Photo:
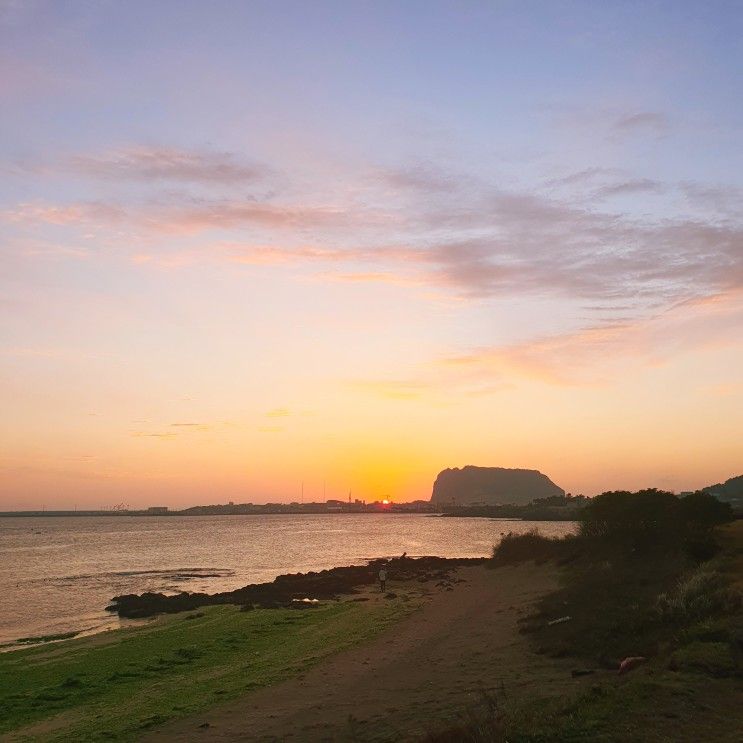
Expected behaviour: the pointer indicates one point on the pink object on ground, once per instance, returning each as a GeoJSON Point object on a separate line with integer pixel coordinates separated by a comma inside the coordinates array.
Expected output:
{"type": "Point", "coordinates": [629, 663]}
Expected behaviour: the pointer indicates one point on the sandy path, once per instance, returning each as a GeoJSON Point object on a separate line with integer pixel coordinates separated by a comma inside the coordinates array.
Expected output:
{"type": "Point", "coordinates": [401, 684]}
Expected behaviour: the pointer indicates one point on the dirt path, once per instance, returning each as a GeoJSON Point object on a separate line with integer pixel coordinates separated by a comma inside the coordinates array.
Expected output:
{"type": "Point", "coordinates": [401, 684]}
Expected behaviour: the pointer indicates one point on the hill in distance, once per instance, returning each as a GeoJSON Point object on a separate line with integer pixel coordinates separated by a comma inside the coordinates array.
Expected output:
{"type": "Point", "coordinates": [493, 486]}
{"type": "Point", "coordinates": [730, 491]}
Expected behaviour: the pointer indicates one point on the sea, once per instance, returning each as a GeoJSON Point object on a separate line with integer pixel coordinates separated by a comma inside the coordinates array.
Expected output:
{"type": "Point", "coordinates": [58, 574]}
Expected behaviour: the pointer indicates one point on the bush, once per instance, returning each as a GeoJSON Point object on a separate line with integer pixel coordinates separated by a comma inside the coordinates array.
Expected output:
{"type": "Point", "coordinates": [703, 511]}
{"type": "Point", "coordinates": [701, 547]}
{"type": "Point", "coordinates": [655, 520]}
{"type": "Point", "coordinates": [697, 596]}
{"type": "Point", "coordinates": [516, 548]}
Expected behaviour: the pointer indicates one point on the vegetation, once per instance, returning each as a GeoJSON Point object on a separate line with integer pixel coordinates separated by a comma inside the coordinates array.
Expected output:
{"type": "Point", "coordinates": [652, 575]}
{"type": "Point", "coordinates": [730, 491]}
{"type": "Point", "coordinates": [653, 521]}
{"type": "Point", "coordinates": [552, 508]}
{"type": "Point", "coordinates": [648, 574]}
{"type": "Point", "coordinates": [118, 684]}
{"type": "Point", "coordinates": [482, 723]}
{"type": "Point", "coordinates": [516, 548]}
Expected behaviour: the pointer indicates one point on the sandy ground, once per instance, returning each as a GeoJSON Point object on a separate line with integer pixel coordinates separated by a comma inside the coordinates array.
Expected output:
{"type": "Point", "coordinates": [402, 684]}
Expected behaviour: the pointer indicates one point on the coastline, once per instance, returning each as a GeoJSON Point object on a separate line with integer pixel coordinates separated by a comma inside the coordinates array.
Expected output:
{"type": "Point", "coordinates": [167, 659]}
{"type": "Point", "coordinates": [295, 590]}
{"type": "Point", "coordinates": [366, 665]}
{"type": "Point", "coordinates": [58, 575]}
{"type": "Point", "coordinates": [288, 590]}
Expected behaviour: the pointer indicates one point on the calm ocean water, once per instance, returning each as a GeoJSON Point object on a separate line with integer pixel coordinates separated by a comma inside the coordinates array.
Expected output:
{"type": "Point", "coordinates": [58, 574]}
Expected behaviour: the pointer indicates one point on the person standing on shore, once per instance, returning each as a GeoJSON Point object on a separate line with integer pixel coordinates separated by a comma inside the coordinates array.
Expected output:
{"type": "Point", "coordinates": [382, 578]}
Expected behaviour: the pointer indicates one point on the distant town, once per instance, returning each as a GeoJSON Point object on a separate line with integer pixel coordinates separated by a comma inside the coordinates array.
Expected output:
{"type": "Point", "coordinates": [489, 492]}
{"type": "Point", "coordinates": [231, 508]}
{"type": "Point", "coordinates": [556, 508]}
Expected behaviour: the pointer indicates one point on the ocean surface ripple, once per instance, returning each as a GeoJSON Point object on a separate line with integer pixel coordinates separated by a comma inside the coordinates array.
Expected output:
{"type": "Point", "coordinates": [57, 574]}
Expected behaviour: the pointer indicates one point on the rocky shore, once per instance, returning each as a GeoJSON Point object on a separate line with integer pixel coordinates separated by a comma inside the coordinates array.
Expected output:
{"type": "Point", "coordinates": [288, 591]}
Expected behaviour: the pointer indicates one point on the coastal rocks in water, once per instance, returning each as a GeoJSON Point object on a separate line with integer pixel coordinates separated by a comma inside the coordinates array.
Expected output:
{"type": "Point", "coordinates": [288, 591]}
{"type": "Point", "coordinates": [491, 486]}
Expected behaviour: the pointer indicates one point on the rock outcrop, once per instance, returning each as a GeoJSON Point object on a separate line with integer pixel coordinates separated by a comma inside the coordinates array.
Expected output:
{"type": "Point", "coordinates": [291, 591]}
{"type": "Point", "coordinates": [491, 486]}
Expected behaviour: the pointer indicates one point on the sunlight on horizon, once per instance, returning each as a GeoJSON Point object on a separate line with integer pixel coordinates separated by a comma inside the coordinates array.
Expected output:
{"type": "Point", "coordinates": [349, 247]}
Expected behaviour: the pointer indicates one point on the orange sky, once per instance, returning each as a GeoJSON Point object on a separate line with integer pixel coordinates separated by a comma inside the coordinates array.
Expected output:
{"type": "Point", "coordinates": [490, 238]}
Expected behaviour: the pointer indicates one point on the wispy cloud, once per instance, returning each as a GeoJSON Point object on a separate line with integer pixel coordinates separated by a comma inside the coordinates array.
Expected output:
{"type": "Point", "coordinates": [597, 354]}
{"type": "Point", "coordinates": [722, 199]}
{"type": "Point", "coordinates": [420, 177]}
{"type": "Point", "coordinates": [166, 164]}
{"type": "Point", "coordinates": [398, 389]}
{"type": "Point", "coordinates": [183, 216]}
{"type": "Point", "coordinates": [32, 352]}
{"type": "Point", "coordinates": [586, 175]}
{"type": "Point", "coordinates": [589, 357]}
{"type": "Point", "coordinates": [475, 242]}
{"type": "Point", "coordinates": [64, 214]}
{"type": "Point", "coordinates": [654, 122]}
{"type": "Point", "coordinates": [611, 123]}
{"type": "Point", "coordinates": [633, 186]}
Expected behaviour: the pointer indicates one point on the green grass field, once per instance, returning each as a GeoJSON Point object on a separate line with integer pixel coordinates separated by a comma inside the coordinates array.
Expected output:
{"type": "Point", "coordinates": [115, 685]}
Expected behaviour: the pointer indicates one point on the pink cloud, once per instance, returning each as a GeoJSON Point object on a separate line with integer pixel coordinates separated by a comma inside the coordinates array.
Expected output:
{"type": "Point", "coordinates": [595, 355]}
{"type": "Point", "coordinates": [167, 164]}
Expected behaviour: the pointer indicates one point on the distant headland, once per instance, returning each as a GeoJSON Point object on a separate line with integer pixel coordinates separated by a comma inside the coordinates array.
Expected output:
{"type": "Point", "coordinates": [496, 492]}
{"type": "Point", "coordinates": [492, 486]}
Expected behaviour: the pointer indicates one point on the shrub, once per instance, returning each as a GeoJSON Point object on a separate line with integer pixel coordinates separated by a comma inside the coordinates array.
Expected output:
{"type": "Point", "coordinates": [482, 724]}
{"type": "Point", "coordinates": [655, 520]}
{"type": "Point", "coordinates": [703, 511]}
{"type": "Point", "coordinates": [516, 548]}
{"type": "Point", "coordinates": [701, 547]}
{"type": "Point", "coordinates": [697, 596]}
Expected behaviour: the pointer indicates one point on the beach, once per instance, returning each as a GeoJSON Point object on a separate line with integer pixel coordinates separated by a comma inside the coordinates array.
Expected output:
{"type": "Point", "coordinates": [531, 642]}
{"type": "Point", "coordinates": [227, 674]}
{"type": "Point", "coordinates": [461, 643]}
{"type": "Point", "coordinates": [57, 575]}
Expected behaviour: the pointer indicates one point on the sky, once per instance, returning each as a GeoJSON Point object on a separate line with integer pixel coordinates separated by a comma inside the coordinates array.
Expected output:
{"type": "Point", "coordinates": [250, 247]}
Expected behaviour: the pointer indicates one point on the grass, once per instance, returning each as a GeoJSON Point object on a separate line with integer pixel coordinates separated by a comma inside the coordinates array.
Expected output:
{"type": "Point", "coordinates": [651, 706]}
{"type": "Point", "coordinates": [684, 617]}
{"type": "Point", "coordinates": [612, 605]}
{"type": "Point", "coordinates": [698, 595]}
{"type": "Point", "coordinates": [482, 723]}
{"type": "Point", "coordinates": [116, 685]}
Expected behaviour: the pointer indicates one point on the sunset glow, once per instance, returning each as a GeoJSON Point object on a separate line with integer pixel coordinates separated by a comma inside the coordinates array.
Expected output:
{"type": "Point", "coordinates": [349, 253]}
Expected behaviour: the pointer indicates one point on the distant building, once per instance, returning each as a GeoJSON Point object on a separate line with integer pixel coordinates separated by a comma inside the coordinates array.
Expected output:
{"type": "Point", "coordinates": [157, 509]}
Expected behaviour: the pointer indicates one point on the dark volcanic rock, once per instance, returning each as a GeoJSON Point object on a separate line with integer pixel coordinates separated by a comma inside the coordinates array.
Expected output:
{"type": "Point", "coordinates": [286, 590]}
{"type": "Point", "coordinates": [491, 486]}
